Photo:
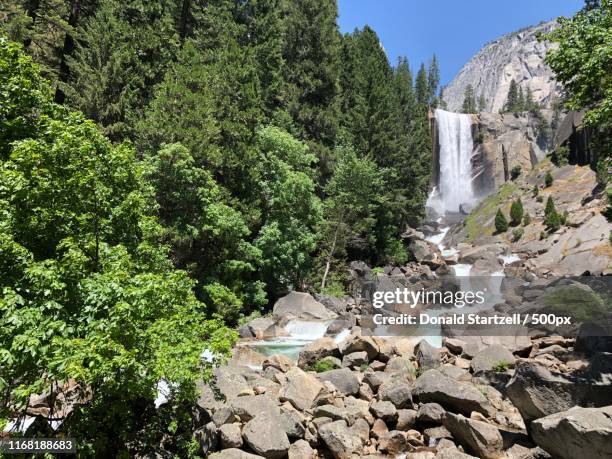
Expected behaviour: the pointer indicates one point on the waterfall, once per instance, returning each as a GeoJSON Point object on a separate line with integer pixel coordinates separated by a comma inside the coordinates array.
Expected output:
{"type": "Point", "coordinates": [454, 185]}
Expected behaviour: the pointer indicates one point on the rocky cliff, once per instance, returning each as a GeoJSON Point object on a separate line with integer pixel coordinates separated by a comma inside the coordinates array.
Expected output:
{"type": "Point", "coordinates": [518, 56]}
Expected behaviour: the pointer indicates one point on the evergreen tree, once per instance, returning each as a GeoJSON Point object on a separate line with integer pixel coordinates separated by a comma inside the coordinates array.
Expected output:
{"type": "Point", "coordinates": [442, 102]}
{"type": "Point", "coordinates": [433, 81]}
{"type": "Point", "coordinates": [312, 68]}
{"type": "Point", "coordinates": [550, 207]}
{"type": "Point", "coordinates": [422, 86]}
{"type": "Point", "coordinates": [548, 179]}
{"type": "Point", "coordinates": [512, 101]}
{"type": "Point", "coordinates": [516, 212]}
{"type": "Point", "coordinates": [481, 103]}
{"type": "Point", "coordinates": [501, 223]}
{"type": "Point", "coordinates": [469, 100]}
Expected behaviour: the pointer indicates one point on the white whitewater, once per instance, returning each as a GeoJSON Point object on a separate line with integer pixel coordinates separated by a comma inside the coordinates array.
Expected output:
{"type": "Point", "coordinates": [455, 157]}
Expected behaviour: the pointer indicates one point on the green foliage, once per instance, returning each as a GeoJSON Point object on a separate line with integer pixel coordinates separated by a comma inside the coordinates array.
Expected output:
{"type": "Point", "coordinates": [515, 172]}
{"type": "Point", "coordinates": [501, 223]}
{"type": "Point", "coordinates": [550, 207]}
{"type": "Point", "coordinates": [536, 190]}
{"type": "Point", "coordinates": [512, 101]}
{"type": "Point", "coordinates": [321, 366]}
{"type": "Point", "coordinates": [540, 198]}
{"type": "Point", "coordinates": [516, 212]}
{"type": "Point", "coordinates": [378, 270]}
{"type": "Point", "coordinates": [548, 179]}
{"type": "Point", "coordinates": [582, 63]}
{"type": "Point", "coordinates": [88, 293]}
{"type": "Point", "coordinates": [517, 233]}
{"type": "Point", "coordinates": [335, 289]}
{"type": "Point", "coordinates": [552, 219]}
{"type": "Point", "coordinates": [526, 219]}
{"type": "Point", "coordinates": [501, 366]}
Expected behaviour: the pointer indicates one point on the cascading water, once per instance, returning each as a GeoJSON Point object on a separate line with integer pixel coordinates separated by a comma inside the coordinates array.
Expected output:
{"type": "Point", "coordinates": [454, 185]}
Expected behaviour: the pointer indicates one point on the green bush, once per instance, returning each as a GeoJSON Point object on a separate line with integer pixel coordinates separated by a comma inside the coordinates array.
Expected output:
{"type": "Point", "coordinates": [543, 235]}
{"type": "Point", "coordinates": [515, 172]}
{"type": "Point", "coordinates": [550, 206]}
{"type": "Point", "coordinates": [548, 179]}
{"type": "Point", "coordinates": [321, 366]}
{"type": "Point", "coordinates": [536, 190]}
{"type": "Point", "coordinates": [501, 366]}
{"type": "Point", "coordinates": [540, 198]}
{"type": "Point", "coordinates": [516, 212]}
{"type": "Point", "coordinates": [501, 223]}
{"type": "Point", "coordinates": [517, 233]}
{"type": "Point", "coordinates": [553, 221]}
{"type": "Point", "coordinates": [527, 219]}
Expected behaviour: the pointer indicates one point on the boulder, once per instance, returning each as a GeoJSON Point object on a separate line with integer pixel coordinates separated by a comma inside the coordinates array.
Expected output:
{"type": "Point", "coordinates": [356, 343]}
{"type": "Point", "coordinates": [291, 422]}
{"type": "Point", "coordinates": [422, 251]}
{"type": "Point", "coordinates": [234, 453]}
{"type": "Point", "coordinates": [278, 361]}
{"type": "Point", "coordinates": [537, 392]}
{"type": "Point", "coordinates": [454, 345]}
{"type": "Point", "coordinates": [577, 432]}
{"type": "Point", "coordinates": [223, 415]}
{"type": "Point", "coordinates": [249, 406]}
{"type": "Point", "coordinates": [355, 359]}
{"type": "Point", "coordinates": [431, 412]}
{"type": "Point", "coordinates": [399, 394]}
{"type": "Point", "coordinates": [262, 327]}
{"type": "Point", "coordinates": [231, 381]}
{"type": "Point", "coordinates": [230, 436]}
{"type": "Point", "coordinates": [490, 357]}
{"type": "Point", "coordinates": [317, 350]}
{"type": "Point", "coordinates": [298, 305]}
{"type": "Point", "coordinates": [393, 442]}
{"type": "Point", "coordinates": [343, 379]}
{"type": "Point", "coordinates": [427, 355]}
{"type": "Point", "coordinates": [301, 450]}
{"type": "Point", "coordinates": [434, 386]}
{"type": "Point", "coordinates": [384, 410]}
{"type": "Point", "coordinates": [300, 389]}
{"type": "Point", "coordinates": [340, 440]}
{"type": "Point", "coordinates": [479, 437]}
{"type": "Point", "coordinates": [406, 419]}
{"type": "Point", "coordinates": [265, 435]}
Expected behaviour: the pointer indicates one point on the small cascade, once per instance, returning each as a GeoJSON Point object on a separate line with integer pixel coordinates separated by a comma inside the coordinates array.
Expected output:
{"type": "Point", "coordinates": [454, 186]}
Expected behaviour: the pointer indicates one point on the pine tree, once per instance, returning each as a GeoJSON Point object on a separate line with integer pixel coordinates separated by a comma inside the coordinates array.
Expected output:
{"type": "Point", "coordinates": [512, 101]}
{"type": "Point", "coordinates": [550, 207]}
{"type": "Point", "coordinates": [548, 179]}
{"type": "Point", "coordinates": [501, 224]}
{"type": "Point", "coordinates": [520, 104]}
{"type": "Point", "coordinates": [516, 212]}
{"type": "Point", "coordinates": [469, 100]}
{"type": "Point", "coordinates": [422, 86]}
{"type": "Point", "coordinates": [433, 81]}
{"type": "Point", "coordinates": [481, 103]}
{"type": "Point", "coordinates": [312, 68]}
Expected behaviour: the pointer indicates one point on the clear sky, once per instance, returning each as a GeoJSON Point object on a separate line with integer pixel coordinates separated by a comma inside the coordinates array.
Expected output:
{"type": "Point", "coordinates": [453, 29]}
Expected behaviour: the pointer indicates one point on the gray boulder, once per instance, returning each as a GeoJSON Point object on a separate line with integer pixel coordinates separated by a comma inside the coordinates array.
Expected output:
{"type": "Point", "coordinates": [427, 355]}
{"type": "Point", "coordinates": [265, 435]}
{"type": "Point", "coordinates": [431, 412]}
{"type": "Point", "coordinates": [490, 357]}
{"type": "Point", "coordinates": [577, 432]}
{"type": "Point", "coordinates": [317, 350]}
{"type": "Point", "coordinates": [537, 392]}
{"type": "Point", "coordinates": [399, 394]}
{"type": "Point", "coordinates": [355, 359]}
{"type": "Point", "coordinates": [300, 389]}
{"type": "Point", "coordinates": [249, 406]}
{"type": "Point", "coordinates": [340, 440]}
{"type": "Point", "coordinates": [479, 437]}
{"type": "Point", "coordinates": [356, 343]}
{"type": "Point", "coordinates": [301, 450]}
{"type": "Point", "coordinates": [298, 305]}
{"type": "Point", "coordinates": [434, 386]}
{"type": "Point", "coordinates": [230, 436]}
{"type": "Point", "coordinates": [233, 453]}
{"type": "Point", "coordinates": [343, 379]}
{"type": "Point", "coordinates": [384, 410]}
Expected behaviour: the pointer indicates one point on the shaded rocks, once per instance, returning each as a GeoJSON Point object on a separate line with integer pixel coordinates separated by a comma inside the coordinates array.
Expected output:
{"type": "Point", "coordinates": [434, 386]}
{"type": "Point", "coordinates": [355, 343]}
{"type": "Point", "coordinates": [577, 432]}
{"type": "Point", "coordinates": [481, 438]}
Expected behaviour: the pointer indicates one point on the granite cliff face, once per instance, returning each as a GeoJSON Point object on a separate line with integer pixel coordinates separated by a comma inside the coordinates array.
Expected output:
{"type": "Point", "coordinates": [518, 56]}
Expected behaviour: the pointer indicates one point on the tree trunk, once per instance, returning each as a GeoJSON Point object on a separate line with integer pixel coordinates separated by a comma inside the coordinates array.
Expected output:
{"type": "Point", "coordinates": [64, 72]}
{"type": "Point", "coordinates": [330, 257]}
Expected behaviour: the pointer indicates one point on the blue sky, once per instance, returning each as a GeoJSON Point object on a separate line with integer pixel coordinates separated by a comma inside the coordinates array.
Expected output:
{"type": "Point", "coordinates": [453, 29]}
